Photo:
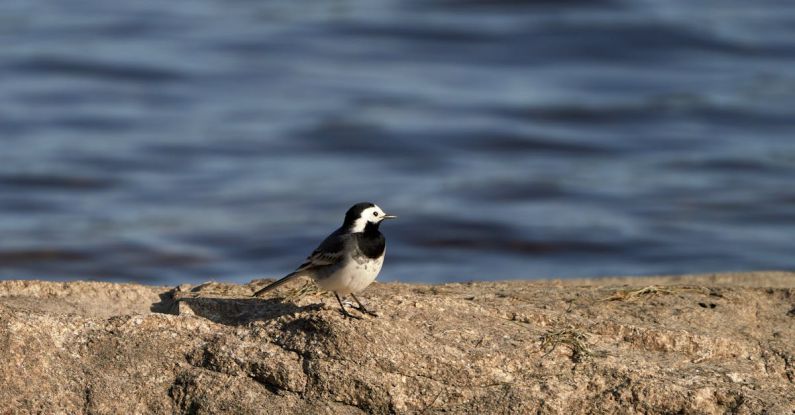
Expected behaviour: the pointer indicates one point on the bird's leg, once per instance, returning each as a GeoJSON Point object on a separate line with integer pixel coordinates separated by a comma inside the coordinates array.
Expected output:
{"type": "Point", "coordinates": [362, 308]}
{"type": "Point", "coordinates": [342, 307]}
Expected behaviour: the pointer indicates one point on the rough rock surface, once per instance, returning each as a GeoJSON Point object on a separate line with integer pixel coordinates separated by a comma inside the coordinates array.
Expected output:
{"type": "Point", "coordinates": [693, 344]}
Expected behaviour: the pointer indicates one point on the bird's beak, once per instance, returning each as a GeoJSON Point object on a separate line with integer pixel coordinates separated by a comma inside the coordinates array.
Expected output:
{"type": "Point", "coordinates": [390, 217]}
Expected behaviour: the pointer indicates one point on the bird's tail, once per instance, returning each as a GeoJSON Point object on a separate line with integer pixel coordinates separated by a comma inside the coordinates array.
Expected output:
{"type": "Point", "coordinates": [277, 283]}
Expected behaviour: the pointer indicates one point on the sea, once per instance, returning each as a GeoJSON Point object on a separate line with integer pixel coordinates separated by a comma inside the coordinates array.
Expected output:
{"type": "Point", "coordinates": [182, 141]}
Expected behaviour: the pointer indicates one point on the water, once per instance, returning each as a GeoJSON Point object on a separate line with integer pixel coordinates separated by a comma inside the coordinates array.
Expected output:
{"type": "Point", "coordinates": [182, 141]}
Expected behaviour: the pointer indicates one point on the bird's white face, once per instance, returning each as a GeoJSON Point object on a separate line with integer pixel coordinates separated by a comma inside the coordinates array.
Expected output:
{"type": "Point", "coordinates": [372, 215]}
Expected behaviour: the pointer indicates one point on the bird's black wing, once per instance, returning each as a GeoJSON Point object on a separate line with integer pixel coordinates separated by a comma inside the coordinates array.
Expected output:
{"type": "Point", "coordinates": [329, 252]}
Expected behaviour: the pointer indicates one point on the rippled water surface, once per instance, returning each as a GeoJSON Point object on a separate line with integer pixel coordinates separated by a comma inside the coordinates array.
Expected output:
{"type": "Point", "coordinates": [180, 141]}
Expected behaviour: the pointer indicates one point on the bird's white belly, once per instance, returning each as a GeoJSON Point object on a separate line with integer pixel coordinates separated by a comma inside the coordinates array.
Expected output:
{"type": "Point", "coordinates": [352, 276]}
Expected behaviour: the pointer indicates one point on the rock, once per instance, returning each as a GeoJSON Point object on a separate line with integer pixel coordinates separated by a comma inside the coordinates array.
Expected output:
{"type": "Point", "coordinates": [689, 344]}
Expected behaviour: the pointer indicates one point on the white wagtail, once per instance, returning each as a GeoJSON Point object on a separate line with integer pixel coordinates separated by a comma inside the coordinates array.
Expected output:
{"type": "Point", "coordinates": [349, 259]}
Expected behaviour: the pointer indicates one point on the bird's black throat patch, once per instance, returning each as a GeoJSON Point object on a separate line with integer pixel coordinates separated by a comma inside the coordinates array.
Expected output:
{"type": "Point", "coordinates": [371, 242]}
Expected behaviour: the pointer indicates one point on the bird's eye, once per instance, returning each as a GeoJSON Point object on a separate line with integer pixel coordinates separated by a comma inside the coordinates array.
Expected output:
{"type": "Point", "coordinates": [375, 213]}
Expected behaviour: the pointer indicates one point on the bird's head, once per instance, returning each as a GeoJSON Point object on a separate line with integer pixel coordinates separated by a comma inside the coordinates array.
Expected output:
{"type": "Point", "coordinates": [360, 214]}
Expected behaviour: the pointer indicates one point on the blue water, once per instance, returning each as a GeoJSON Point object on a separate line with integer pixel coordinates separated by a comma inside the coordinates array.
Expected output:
{"type": "Point", "coordinates": [181, 141]}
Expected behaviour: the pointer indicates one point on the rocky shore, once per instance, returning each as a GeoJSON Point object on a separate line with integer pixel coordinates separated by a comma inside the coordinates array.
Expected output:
{"type": "Point", "coordinates": [708, 344]}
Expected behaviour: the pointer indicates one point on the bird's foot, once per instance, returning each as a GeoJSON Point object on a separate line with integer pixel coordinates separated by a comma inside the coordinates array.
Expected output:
{"type": "Point", "coordinates": [346, 314]}
{"type": "Point", "coordinates": [362, 308]}
{"type": "Point", "coordinates": [366, 311]}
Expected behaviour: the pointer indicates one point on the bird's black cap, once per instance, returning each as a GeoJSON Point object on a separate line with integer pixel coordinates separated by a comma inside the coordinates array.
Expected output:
{"type": "Point", "coordinates": [356, 211]}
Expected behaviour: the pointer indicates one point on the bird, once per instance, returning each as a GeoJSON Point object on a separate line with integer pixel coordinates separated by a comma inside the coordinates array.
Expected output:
{"type": "Point", "coordinates": [349, 259]}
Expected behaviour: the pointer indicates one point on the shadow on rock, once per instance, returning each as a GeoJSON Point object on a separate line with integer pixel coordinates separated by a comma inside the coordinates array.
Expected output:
{"type": "Point", "coordinates": [225, 310]}
{"type": "Point", "coordinates": [167, 304]}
